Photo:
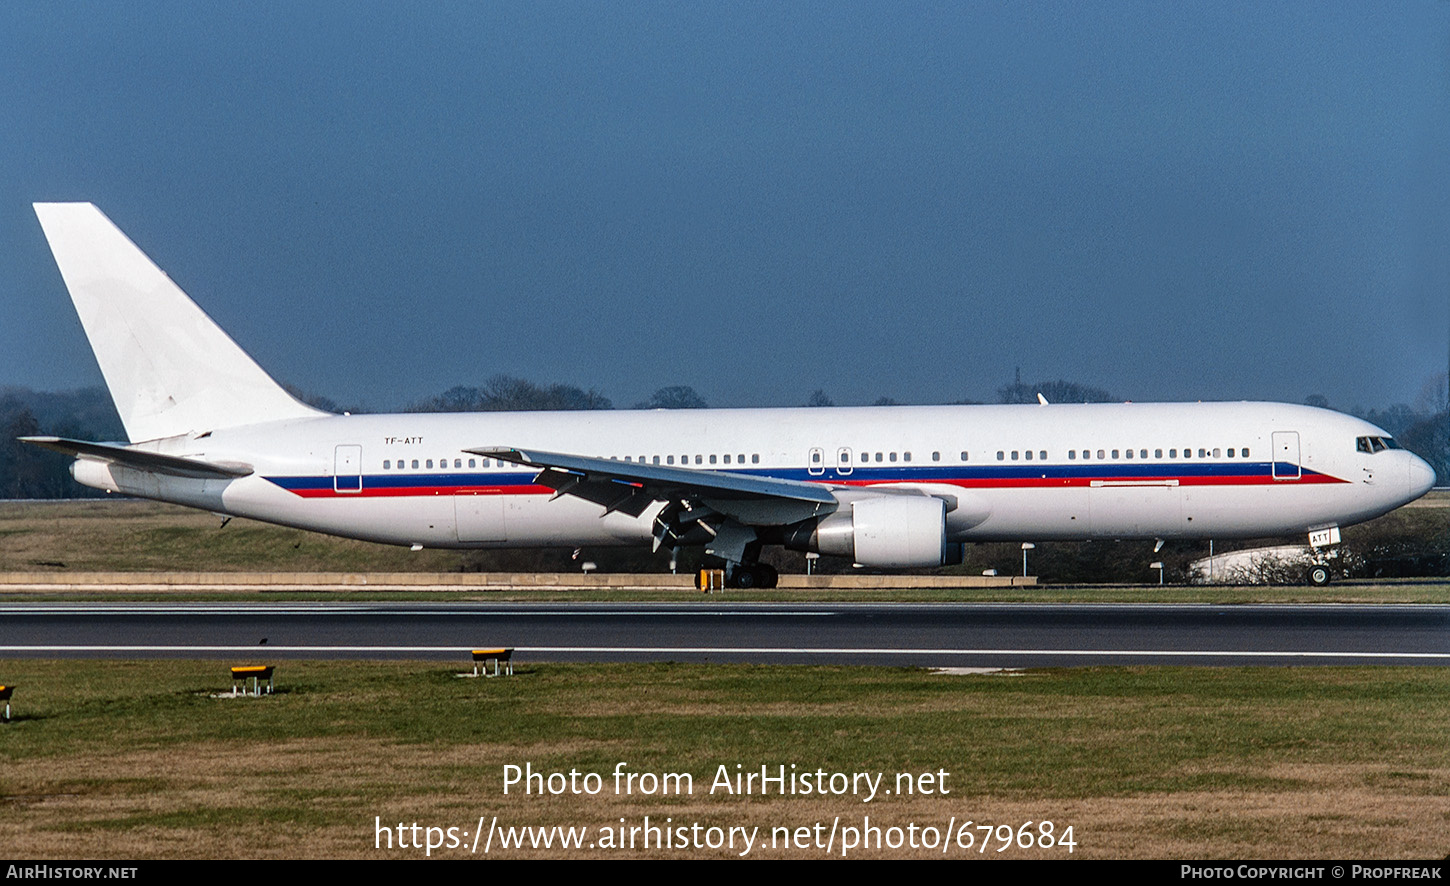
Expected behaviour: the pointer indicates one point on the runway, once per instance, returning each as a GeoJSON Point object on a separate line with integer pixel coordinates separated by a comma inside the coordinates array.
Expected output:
{"type": "Point", "coordinates": [938, 635]}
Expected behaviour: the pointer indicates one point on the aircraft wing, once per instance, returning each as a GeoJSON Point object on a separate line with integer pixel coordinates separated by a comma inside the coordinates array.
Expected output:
{"type": "Point", "coordinates": [155, 462]}
{"type": "Point", "coordinates": [631, 487]}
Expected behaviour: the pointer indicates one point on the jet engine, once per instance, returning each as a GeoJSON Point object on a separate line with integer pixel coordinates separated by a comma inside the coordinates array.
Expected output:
{"type": "Point", "coordinates": [892, 531]}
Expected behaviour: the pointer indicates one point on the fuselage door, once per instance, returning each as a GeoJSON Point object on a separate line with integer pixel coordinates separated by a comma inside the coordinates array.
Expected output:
{"type": "Point", "coordinates": [1286, 455]}
{"type": "Point", "coordinates": [347, 469]}
{"type": "Point", "coordinates": [816, 462]}
{"type": "Point", "coordinates": [843, 461]}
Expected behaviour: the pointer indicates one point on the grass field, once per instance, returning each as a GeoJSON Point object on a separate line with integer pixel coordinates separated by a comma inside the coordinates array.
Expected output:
{"type": "Point", "coordinates": [153, 760]}
{"type": "Point", "coordinates": [142, 759]}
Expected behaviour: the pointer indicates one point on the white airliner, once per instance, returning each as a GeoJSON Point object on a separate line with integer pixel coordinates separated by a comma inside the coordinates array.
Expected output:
{"type": "Point", "coordinates": [884, 486]}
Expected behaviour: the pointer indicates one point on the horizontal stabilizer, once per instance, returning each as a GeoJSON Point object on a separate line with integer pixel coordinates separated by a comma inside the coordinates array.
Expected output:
{"type": "Point", "coordinates": [155, 462]}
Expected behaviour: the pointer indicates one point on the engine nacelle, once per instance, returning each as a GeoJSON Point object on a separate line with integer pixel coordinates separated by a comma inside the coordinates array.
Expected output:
{"type": "Point", "coordinates": [95, 474]}
{"type": "Point", "coordinates": [894, 531]}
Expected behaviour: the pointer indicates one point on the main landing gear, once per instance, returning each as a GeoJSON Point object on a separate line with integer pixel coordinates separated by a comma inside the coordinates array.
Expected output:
{"type": "Point", "coordinates": [755, 575]}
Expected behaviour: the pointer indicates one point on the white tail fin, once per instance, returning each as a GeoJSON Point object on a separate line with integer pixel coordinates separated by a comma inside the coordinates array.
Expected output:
{"type": "Point", "coordinates": [170, 368]}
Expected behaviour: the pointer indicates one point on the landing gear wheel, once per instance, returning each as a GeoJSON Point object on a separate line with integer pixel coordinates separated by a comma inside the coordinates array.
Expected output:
{"type": "Point", "coordinates": [1319, 575]}
{"type": "Point", "coordinates": [757, 575]}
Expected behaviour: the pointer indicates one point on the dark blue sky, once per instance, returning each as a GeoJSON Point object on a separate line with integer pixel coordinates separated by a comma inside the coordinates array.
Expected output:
{"type": "Point", "coordinates": [379, 201]}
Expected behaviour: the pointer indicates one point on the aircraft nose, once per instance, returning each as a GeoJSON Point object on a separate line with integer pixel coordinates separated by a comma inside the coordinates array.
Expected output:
{"type": "Point", "coordinates": [1422, 477]}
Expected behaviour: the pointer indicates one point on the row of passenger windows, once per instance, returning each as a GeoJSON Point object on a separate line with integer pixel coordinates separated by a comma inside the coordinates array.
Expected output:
{"type": "Point", "coordinates": [1108, 454]}
{"type": "Point", "coordinates": [739, 459]}
{"type": "Point", "coordinates": [427, 463]}
{"type": "Point", "coordinates": [844, 457]}
{"type": "Point", "coordinates": [475, 463]}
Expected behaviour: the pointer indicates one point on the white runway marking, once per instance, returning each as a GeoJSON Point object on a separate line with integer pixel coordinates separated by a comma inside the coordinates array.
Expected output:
{"type": "Point", "coordinates": [750, 650]}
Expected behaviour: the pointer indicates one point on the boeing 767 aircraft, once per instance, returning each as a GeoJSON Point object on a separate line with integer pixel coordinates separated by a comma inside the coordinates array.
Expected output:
{"type": "Point", "coordinates": [888, 487]}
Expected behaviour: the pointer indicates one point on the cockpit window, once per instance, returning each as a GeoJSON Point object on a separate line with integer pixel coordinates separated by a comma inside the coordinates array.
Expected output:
{"type": "Point", "coordinates": [1375, 444]}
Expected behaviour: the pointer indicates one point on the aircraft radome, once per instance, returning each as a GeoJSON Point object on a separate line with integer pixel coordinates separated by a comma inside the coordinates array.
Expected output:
{"type": "Point", "coordinates": [892, 487]}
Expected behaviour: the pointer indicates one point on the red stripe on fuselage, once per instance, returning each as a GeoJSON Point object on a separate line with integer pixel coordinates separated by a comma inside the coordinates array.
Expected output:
{"type": "Point", "coordinates": [964, 483]}
{"type": "Point", "coordinates": [417, 491]}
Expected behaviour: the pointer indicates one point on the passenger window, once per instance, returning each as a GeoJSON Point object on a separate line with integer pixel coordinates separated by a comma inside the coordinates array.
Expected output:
{"type": "Point", "coordinates": [1129, 453]}
{"type": "Point", "coordinates": [906, 456]}
{"type": "Point", "coordinates": [815, 457]}
{"type": "Point", "coordinates": [1142, 453]}
{"type": "Point", "coordinates": [1115, 453]}
{"type": "Point", "coordinates": [1157, 453]}
{"type": "Point", "coordinates": [755, 458]}
{"type": "Point", "coordinates": [699, 459]}
{"type": "Point", "coordinates": [892, 458]}
{"type": "Point", "coordinates": [1001, 455]}
{"type": "Point", "coordinates": [1203, 453]}
{"type": "Point", "coordinates": [1173, 453]}
{"type": "Point", "coordinates": [1072, 455]}
{"type": "Point", "coordinates": [1014, 455]}
{"type": "Point", "coordinates": [727, 458]}
{"type": "Point", "coordinates": [473, 462]}
{"type": "Point", "coordinates": [1101, 456]}
{"type": "Point", "coordinates": [964, 455]}
{"type": "Point", "coordinates": [415, 464]}
{"type": "Point", "coordinates": [740, 458]}
{"type": "Point", "coordinates": [1245, 452]}
{"type": "Point", "coordinates": [1042, 456]}
{"type": "Point", "coordinates": [936, 456]}
{"type": "Point", "coordinates": [655, 459]}
{"type": "Point", "coordinates": [387, 464]}
{"type": "Point", "coordinates": [1216, 453]}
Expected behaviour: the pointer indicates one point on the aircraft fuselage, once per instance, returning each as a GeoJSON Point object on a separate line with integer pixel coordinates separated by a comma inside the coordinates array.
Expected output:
{"type": "Point", "coordinates": [1008, 473]}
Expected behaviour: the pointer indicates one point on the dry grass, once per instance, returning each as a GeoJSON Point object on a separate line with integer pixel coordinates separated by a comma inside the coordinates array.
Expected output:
{"type": "Point", "coordinates": [138, 760]}
{"type": "Point", "coordinates": [124, 535]}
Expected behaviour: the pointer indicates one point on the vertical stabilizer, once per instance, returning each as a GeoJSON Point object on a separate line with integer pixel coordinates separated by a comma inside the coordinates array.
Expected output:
{"type": "Point", "coordinates": [171, 370]}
